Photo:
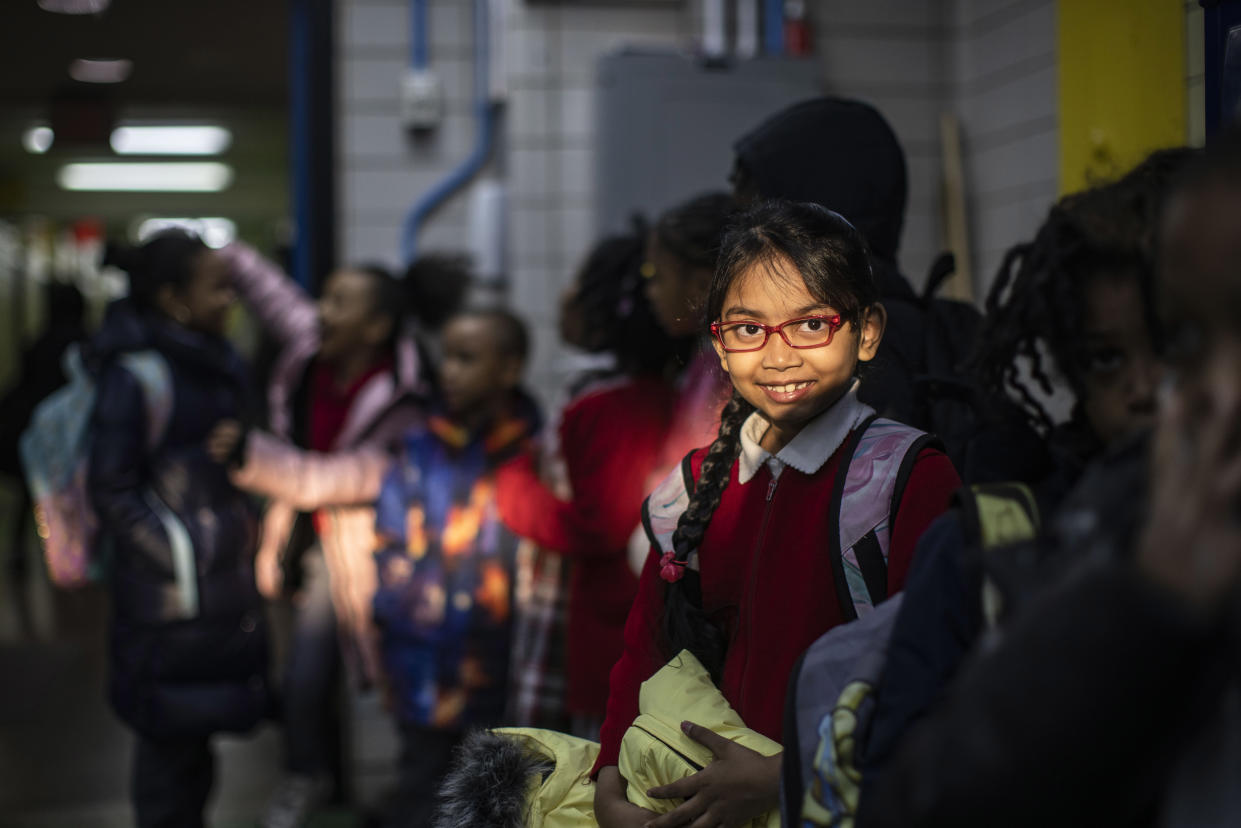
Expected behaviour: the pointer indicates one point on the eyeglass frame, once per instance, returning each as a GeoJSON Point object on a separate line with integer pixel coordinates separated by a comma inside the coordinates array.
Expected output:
{"type": "Point", "coordinates": [834, 323]}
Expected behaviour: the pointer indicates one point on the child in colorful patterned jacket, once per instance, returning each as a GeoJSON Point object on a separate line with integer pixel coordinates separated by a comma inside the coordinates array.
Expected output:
{"type": "Point", "coordinates": [446, 562]}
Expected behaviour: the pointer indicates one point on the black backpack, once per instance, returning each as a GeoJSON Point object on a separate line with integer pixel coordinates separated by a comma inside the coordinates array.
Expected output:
{"type": "Point", "coordinates": [921, 377]}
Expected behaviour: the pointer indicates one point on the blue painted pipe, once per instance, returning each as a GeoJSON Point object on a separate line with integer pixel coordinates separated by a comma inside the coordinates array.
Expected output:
{"type": "Point", "coordinates": [773, 27]}
{"type": "Point", "coordinates": [418, 53]}
{"type": "Point", "coordinates": [299, 150]}
{"type": "Point", "coordinates": [483, 137]}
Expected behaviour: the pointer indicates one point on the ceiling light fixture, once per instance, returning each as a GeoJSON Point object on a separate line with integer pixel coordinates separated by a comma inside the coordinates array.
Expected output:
{"type": "Point", "coordinates": [171, 140]}
{"type": "Point", "coordinates": [203, 177]}
{"type": "Point", "coordinates": [74, 6]}
{"type": "Point", "coordinates": [91, 70]}
{"type": "Point", "coordinates": [38, 139]}
{"type": "Point", "coordinates": [214, 231]}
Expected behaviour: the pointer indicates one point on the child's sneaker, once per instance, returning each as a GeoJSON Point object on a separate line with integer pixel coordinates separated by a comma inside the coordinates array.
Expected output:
{"type": "Point", "coordinates": [295, 799]}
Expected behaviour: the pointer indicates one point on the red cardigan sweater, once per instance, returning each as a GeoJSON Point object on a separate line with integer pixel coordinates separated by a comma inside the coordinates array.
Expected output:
{"type": "Point", "coordinates": [767, 580]}
{"type": "Point", "coordinates": [610, 439]}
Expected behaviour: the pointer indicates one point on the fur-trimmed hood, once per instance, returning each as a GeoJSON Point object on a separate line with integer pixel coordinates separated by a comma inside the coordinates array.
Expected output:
{"type": "Point", "coordinates": [518, 777]}
{"type": "Point", "coordinates": [529, 778]}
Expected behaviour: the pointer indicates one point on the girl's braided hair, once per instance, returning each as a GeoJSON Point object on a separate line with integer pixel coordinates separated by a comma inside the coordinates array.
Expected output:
{"type": "Point", "coordinates": [775, 239]}
{"type": "Point", "coordinates": [1036, 308]}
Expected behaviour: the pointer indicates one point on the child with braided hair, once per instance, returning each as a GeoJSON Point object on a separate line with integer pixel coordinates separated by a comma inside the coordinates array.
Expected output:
{"type": "Point", "coordinates": [750, 560]}
{"type": "Point", "coordinates": [1060, 302]}
{"type": "Point", "coordinates": [1075, 304]}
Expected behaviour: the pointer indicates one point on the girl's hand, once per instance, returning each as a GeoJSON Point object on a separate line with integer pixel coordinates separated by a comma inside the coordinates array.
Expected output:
{"type": "Point", "coordinates": [734, 789]}
{"type": "Point", "coordinates": [1191, 543]}
{"type": "Point", "coordinates": [612, 809]}
{"type": "Point", "coordinates": [223, 440]}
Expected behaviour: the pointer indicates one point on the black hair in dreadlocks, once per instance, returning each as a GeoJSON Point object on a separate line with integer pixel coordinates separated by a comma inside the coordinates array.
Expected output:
{"type": "Point", "coordinates": [831, 256]}
{"type": "Point", "coordinates": [1036, 308]}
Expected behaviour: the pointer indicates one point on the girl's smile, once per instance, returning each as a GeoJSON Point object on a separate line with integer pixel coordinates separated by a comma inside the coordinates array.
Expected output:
{"type": "Point", "coordinates": [787, 392]}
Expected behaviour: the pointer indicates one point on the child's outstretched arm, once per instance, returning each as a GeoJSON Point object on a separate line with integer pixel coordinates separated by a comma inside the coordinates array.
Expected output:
{"type": "Point", "coordinates": [282, 307]}
{"type": "Point", "coordinates": [608, 484]}
{"type": "Point", "coordinates": [309, 480]}
{"type": "Point", "coordinates": [739, 785]}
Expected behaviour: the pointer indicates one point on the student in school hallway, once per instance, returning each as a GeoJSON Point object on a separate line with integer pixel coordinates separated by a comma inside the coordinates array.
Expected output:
{"type": "Point", "coordinates": [446, 563]}
{"type": "Point", "coordinates": [739, 571]}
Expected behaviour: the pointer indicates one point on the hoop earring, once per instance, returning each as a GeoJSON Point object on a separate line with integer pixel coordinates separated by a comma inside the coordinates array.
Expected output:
{"type": "Point", "coordinates": [181, 314]}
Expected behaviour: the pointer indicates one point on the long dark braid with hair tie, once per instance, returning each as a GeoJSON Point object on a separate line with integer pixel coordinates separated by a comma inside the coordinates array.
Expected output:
{"type": "Point", "coordinates": [686, 626]}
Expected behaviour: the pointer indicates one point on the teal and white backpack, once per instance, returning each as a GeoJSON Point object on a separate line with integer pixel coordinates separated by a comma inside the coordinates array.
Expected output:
{"type": "Point", "coordinates": [55, 448]}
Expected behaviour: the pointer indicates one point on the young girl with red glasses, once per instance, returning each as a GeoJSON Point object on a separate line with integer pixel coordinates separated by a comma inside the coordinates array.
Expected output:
{"type": "Point", "coordinates": [753, 556]}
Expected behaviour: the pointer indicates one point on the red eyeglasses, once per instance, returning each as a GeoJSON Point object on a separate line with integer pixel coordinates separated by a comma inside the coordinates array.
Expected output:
{"type": "Point", "coordinates": [803, 332]}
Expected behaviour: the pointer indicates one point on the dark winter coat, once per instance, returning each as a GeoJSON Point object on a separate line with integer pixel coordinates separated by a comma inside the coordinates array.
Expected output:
{"type": "Point", "coordinates": [1105, 703]}
{"type": "Point", "coordinates": [941, 620]}
{"type": "Point", "coordinates": [175, 671]}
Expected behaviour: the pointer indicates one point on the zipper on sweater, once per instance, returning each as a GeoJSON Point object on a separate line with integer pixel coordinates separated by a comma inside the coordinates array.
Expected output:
{"type": "Point", "coordinates": [754, 562]}
{"type": "Point", "coordinates": [684, 758]}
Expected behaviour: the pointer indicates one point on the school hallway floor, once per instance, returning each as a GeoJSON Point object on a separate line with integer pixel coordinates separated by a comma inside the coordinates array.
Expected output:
{"type": "Point", "coordinates": [64, 758]}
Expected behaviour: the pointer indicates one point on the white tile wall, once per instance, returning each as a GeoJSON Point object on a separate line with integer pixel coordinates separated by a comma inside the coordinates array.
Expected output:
{"type": "Point", "coordinates": [992, 62]}
{"type": "Point", "coordinates": [1002, 59]}
{"type": "Point", "coordinates": [892, 54]}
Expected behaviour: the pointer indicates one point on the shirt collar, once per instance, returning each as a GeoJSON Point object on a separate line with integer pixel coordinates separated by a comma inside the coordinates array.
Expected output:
{"type": "Point", "coordinates": [813, 445]}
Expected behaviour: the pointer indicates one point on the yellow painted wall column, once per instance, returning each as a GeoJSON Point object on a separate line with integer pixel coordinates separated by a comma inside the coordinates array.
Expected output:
{"type": "Point", "coordinates": [1121, 85]}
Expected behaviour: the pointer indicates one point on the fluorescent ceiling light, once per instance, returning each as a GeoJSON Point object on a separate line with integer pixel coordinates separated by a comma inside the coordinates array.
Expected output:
{"type": "Point", "coordinates": [171, 140]}
{"type": "Point", "coordinates": [74, 6]}
{"type": "Point", "coordinates": [203, 177]}
{"type": "Point", "coordinates": [214, 231]}
{"type": "Point", "coordinates": [87, 70]}
{"type": "Point", "coordinates": [38, 139]}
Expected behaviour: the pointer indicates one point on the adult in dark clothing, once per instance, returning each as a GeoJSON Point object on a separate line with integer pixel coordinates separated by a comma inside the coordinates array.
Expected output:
{"type": "Point", "coordinates": [188, 647]}
{"type": "Point", "coordinates": [1114, 698]}
{"type": "Point", "coordinates": [843, 154]}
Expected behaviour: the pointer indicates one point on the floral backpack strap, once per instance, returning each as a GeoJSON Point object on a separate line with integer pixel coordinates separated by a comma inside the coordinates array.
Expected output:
{"type": "Point", "coordinates": [878, 460]}
{"type": "Point", "coordinates": [663, 507]}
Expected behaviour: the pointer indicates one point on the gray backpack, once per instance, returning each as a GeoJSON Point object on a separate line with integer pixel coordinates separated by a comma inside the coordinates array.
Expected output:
{"type": "Point", "coordinates": [831, 695]}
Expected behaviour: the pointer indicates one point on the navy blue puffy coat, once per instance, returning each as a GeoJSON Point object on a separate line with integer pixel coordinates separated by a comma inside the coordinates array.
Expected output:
{"type": "Point", "coordinates": [173, 675]}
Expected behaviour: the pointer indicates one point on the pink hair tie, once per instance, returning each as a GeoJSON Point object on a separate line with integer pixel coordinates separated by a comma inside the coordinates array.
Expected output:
{"type": "Point", "coordinates": [670, 569]}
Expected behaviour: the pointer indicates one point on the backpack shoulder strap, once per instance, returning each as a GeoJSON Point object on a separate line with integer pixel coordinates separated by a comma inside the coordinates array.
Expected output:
{"type": "Point", "coordinates": [154, 375]}
{"type": "Point", "coordinates": [663, 507]}
{"type": "Point", "coordinates": [876, 466]}
{"type": "Point", "coordinates": [998, 514]}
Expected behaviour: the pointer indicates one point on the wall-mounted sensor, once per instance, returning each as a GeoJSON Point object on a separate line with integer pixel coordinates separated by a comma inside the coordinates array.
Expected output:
{"type": "Point", "coordinates": [422, 100]}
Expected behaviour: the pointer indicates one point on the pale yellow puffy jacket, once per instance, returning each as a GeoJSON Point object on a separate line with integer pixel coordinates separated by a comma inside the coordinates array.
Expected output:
{"type": "Point", "coordinates": [654, 750]}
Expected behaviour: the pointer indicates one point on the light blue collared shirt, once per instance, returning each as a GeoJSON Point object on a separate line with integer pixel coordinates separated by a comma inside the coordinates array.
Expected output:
{"type": "Point", "coordinates": [813, 445]}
